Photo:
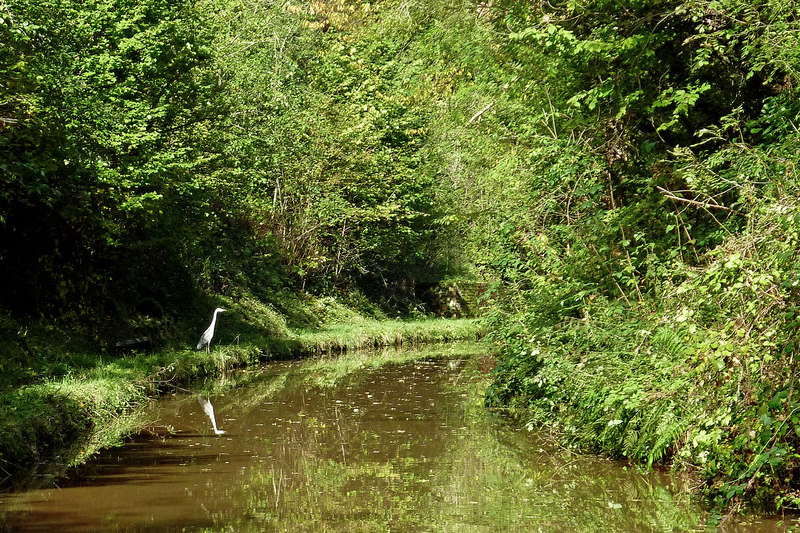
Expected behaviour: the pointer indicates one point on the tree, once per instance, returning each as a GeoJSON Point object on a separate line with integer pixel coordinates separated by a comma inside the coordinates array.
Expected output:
{"type": "Point", "coordinates": [109, 104]}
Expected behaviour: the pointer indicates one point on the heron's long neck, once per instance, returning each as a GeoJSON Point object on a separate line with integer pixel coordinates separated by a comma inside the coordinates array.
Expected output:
{"type": "Point", "coordinates": [214, 320]}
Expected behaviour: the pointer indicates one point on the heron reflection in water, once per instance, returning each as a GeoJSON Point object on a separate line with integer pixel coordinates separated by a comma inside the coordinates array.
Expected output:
{"type": "Point", "coordinates": [209, 409]}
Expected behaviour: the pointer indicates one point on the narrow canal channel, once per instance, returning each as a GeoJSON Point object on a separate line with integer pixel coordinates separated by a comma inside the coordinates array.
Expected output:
{"type": "Point", "coordinates": [325, 445]}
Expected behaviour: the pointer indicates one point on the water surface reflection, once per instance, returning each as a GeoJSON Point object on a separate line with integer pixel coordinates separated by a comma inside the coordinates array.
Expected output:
{"type": "Point", "coordinates": [401, 448]}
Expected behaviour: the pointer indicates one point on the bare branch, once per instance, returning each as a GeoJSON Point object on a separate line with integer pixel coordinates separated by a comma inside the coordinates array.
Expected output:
{"type": "Point", "coordinates": [712, 203]}
{"type": "Point", "coordinates": [481, 112]}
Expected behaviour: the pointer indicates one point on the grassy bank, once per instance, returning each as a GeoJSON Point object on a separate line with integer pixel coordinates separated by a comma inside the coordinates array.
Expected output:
{"type": "Point", "coordinates": [67, 404]}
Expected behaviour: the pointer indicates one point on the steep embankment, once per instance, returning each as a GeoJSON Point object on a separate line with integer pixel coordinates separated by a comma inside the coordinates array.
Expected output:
{"type": "Point", "coordinates": [645, 233]}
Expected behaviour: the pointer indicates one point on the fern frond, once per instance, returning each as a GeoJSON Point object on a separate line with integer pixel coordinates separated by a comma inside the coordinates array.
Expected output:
{"type": "Point", "coordinates": [668, 342]}
{"type": "Point", "coordinates": [669, 429]}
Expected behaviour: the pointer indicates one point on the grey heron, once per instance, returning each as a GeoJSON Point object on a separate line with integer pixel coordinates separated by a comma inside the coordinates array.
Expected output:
{"type": "Point", "coordinates": [209, 409]}
{"type": "Point", "coordinates": [205, 339]}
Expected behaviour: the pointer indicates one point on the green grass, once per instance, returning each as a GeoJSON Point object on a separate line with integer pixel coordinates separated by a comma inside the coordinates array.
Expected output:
{"type": "Point", "coordinates": [373, 333]}
{"type": "Point", "coordinates": [69, 403]}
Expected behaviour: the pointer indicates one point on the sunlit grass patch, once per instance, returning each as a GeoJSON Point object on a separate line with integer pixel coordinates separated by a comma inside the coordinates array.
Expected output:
{"type": "Point", "coordinates": [373, 333]}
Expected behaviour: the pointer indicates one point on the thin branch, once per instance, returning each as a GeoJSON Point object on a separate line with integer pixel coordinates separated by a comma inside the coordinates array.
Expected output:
{"type": "Point", "coordinates": [672, 196]}
{"type": "Point", "coordinates": [481, 112]}
{"type": "Point", "coordinates": [610, 273]}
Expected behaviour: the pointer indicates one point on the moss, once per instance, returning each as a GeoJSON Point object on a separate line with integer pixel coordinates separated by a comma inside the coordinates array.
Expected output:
{"type": "Point", "coordinates": [36, 428]}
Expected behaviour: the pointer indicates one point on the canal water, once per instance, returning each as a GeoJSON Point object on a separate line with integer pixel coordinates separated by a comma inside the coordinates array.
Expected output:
{"type": "Point", "coordinates": [348, 445]}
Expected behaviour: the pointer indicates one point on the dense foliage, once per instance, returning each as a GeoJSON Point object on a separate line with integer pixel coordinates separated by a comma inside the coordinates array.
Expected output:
{"type": "Point", "coordinates": [647, 275]}
{"type": "Point", "coordinates": [620, 174]}
{"type": "Point", "coordinates": [158, 151]}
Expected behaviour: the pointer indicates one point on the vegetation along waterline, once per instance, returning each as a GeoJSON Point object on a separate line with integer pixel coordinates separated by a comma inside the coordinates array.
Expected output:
{"type": "Point", "coordinates": [366, 441]}
{"type": "Point", "coordinates": [83, 401]}
{"type": "Point", "coordinates": [613, 184]}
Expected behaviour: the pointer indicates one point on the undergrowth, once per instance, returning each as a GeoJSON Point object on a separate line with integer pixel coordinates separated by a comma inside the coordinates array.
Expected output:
{"type": "Point", "coordinates": [702, 378]}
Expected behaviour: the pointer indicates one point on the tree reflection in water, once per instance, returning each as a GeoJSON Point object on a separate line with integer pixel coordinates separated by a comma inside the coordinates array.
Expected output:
{"type": "Point", "coordinates": [395, 441]}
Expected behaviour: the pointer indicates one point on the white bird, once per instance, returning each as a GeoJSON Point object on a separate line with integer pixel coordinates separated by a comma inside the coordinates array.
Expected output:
{"type": "Point", "coordinates": [209, 409]}
{"type": "Point", "coordinates": [205, 339]}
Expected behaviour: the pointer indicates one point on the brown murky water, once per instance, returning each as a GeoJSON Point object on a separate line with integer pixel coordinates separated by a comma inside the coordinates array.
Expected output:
{"type": "Point", "coordinates": [400, 448]}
